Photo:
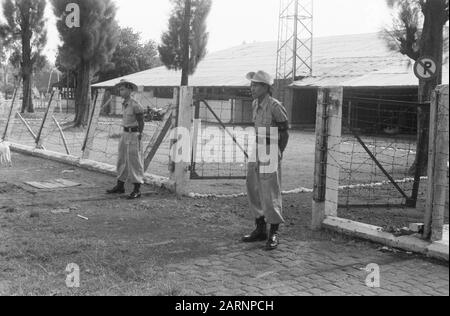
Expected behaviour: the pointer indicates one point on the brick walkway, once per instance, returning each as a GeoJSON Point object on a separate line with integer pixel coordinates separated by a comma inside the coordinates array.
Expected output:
{"type": "Point", "coordinates": [305, 269]}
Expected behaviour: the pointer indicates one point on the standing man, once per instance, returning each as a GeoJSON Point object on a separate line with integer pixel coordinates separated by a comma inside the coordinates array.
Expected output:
{"type": "Point", "coordinates": [130, 164]}
{"type": "Point", "coordinates": [264, 189]}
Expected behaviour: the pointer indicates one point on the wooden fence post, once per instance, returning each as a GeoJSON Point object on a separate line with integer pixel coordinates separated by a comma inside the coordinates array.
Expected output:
{"type": "Point", "coordinates": [27, 126]}
{"type": "Point", "coordinates": [61, 133]}
{"type": "Point", "coordinates": [45, 120]}
{"type": "Point", "coordinates": [437, 165]}
{"type": "Point", "coordinates": [94, 116]}
{"type": "Point", "coordinates": [327, 161]}
{"type": "Point", "coordinates": [157, 140]}
{"type": "Point", "coordinates": [15, 107]}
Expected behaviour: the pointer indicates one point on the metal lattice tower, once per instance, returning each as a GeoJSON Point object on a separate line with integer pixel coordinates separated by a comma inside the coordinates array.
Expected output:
{"type": "Point", "coordinates": [295, 40]}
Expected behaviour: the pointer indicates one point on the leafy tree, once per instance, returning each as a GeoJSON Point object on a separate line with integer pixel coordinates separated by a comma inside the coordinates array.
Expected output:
{"type": "Point", "coordinates": [86, 49]}
{"type": "Point", "coordinates": [2, 49]}
{"type": "Point", "coordinates": [68, 75]}
{"type": "Point", "coordinates": [184, 44]}
{"type": "Point", "coordinates": [26, 32]}
{"type": "Point", "coordinates": [131, 56]}
{"type": "Point", "coordinates": [148, 56]}
{"type": "Point", "coordinates": [418, 31]}
{"type": "Point", "coordinates": [3, 64]}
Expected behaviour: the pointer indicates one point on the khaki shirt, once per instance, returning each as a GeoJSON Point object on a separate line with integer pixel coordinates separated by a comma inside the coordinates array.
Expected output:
{"type": "Point", "coordinates": [269, 112]}
{"type": "Point", "coordinates": [130, 109]}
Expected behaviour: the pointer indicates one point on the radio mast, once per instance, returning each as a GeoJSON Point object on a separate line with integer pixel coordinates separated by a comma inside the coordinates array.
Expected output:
{"type": "Point", "coordinates": [295, 42]}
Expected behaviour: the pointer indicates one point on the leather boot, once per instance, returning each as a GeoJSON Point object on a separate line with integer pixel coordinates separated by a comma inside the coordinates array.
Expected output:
{"type": "Point", "coordinates": [259, 234]}
{"type": "Point", "coordinates": [118, 189]}
{"type": "Point", "coordinates": [274, 240]}
{"type": "Point", "coordinates": [136, 194]}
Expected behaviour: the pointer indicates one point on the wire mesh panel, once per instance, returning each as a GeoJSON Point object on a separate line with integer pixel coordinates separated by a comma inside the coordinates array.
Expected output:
{"type": "Point", "coordinates": [109, 130]}
{"type": "Point", "coordinates": [5, 108]}
{"type": "Point", "coordinates": [378, 151]}
{"type": "Point", "coordinates": [3, 115]}
{"type": "Point", "coordinates": [221, 137]}
{"type": "Point", "coordinates": [106, 135]}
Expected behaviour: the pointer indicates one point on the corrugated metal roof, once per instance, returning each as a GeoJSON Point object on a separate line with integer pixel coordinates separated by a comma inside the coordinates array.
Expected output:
{"type": "Point", "coordinates": [219, 69]}
{"type": "Point", "coordinates": [402, 75]}
{"type": "Point", "coordinates": [398, 74]}
{"type": "Point", "coordinates": [352, 59]}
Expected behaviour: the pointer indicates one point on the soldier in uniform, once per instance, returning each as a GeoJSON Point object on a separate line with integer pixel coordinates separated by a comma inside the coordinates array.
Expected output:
{"type": "Point", "coordinates": [130, 163]}
{"type": "Point", "coordinates": [264, 189]}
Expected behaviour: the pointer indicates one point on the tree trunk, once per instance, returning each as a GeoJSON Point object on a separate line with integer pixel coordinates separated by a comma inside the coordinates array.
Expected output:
{"type": "Point", "coordinates": [432, 43]}
{"type": "Point", "coordinates": [186, 46]}
{"type": "Point", "coordinates": [77, 94]}
{"type": "Point", "coordinates": [83, 94]}
{"type": "Point", "coordinates": [5, 81]}
{"type": "Point", "coordinates": [27, 104]}
{"type": "Point", "coordinates": [26, 64]}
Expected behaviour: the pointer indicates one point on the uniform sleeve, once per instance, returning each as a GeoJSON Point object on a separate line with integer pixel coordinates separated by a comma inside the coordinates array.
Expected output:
{"type": "Point", "coordinates": [279, 113]}
{"type": "Point", "coordinates": [254, 104]}
{"type": "Point", "coordinates": [138, 108]}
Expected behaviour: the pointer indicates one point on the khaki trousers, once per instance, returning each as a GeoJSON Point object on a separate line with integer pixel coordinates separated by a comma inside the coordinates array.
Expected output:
{"type": "Point", "coordinates": [264, 193]}
{"type": "Point", "coordinates": [130, 164]}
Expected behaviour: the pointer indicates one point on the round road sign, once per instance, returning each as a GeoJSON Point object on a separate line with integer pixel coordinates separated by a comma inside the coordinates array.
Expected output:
{"type": "Point", "coordinates": [426, 68]}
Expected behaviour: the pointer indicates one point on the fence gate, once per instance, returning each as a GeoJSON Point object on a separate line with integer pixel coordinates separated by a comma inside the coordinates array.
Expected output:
{"type": "Point", "coordinates": [220, 146]}
{"type": "Point", "coordinates": [377, 153]}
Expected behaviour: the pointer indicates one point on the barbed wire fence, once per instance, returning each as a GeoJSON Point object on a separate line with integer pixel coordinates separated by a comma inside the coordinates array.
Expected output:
{"type": "Point", "coordinates": [222, 121]}
{"type": "Point", "coordinates": [364, 157]}
{"type": "Point", "coordinates": [53, 130]}
{"type": "Point", "coordinates": [379, 141]}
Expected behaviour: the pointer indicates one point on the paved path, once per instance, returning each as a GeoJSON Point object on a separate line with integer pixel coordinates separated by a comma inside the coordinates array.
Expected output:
{"type": "Point", "coordinates": [308, 268]}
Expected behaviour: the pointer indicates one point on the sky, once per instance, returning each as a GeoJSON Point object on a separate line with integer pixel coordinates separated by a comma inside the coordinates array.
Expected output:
{"type": "Point", "coordinates": [232, 22]}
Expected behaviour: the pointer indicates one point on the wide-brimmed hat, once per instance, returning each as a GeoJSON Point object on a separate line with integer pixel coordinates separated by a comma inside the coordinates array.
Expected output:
{"type": "Point", "coordinates": [128, 84]}
{"type": "Point", "coordinates": [260, 77]}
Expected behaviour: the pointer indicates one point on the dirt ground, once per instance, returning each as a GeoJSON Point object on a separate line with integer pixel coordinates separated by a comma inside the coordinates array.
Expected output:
{"type": "Point", "coordinates": [122, 247]}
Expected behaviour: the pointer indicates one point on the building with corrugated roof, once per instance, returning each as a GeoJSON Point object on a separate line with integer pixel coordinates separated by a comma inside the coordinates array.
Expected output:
{"type": "Point", "coordinates": [362, 64]}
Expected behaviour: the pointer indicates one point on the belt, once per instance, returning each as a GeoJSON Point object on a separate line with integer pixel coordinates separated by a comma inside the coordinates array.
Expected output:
{"type": "Point", "coordinates": [131, 129]}
{"type": "Point", "coordinates": [259, 141]}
